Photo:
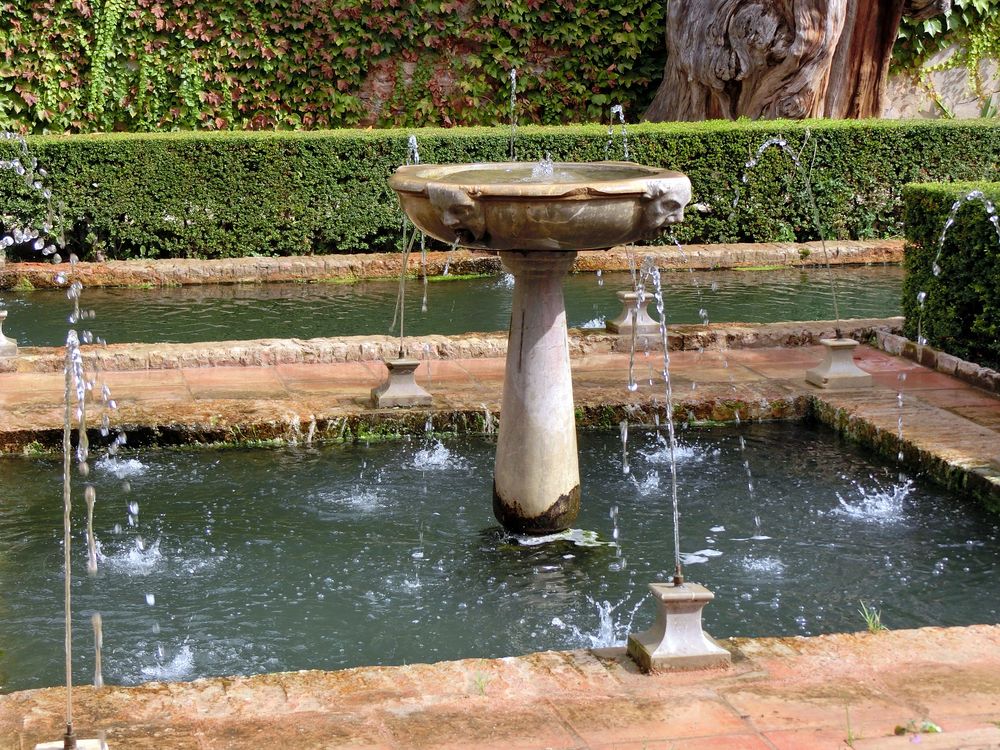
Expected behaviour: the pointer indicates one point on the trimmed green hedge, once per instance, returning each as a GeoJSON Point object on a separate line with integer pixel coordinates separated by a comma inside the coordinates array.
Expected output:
{"type": "Point", "coordinates": [960, 313]}
{"type": "Point", "coordinates": [218, 195]}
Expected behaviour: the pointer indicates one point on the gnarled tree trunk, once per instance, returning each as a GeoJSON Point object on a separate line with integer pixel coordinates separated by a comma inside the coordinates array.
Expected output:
{"type": "Point", "coordinates": [779, 58]}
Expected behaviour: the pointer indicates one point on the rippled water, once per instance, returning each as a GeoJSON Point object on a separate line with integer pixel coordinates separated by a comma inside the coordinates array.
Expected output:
{"type": "Point", "coordinates": [251, 561]}
{"type": "Point", "coordinates": [248, 311]}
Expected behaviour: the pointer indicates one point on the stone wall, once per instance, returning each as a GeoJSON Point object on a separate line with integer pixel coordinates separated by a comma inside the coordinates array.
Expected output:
{"type": "Point", "coordinates": [907, 98]}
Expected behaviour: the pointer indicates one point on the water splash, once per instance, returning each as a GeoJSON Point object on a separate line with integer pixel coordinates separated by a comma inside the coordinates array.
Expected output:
{"type": "Point", "coordinates": [701, 556]}
{"type": "Point", "coordinates": [577, 537]}
{"type": "Point", "coordinates": [437, 457]}
{"type": "Point", "coordinates": [612, 628]}
{"type": "Point", "coordinates": [877, 504]}
{"type": "Point", "coordinates": [599, 322]}
{"type": "Point", "coordinates": [544, 169]}
{"type": "Point", "coordinates": [121, 468]}
{"type": "Point", "coordinates": [682, 453]}
{"type": "Point", "coordinates": [648, 486]}
{"type": "Point", "coordinates": [762, 565]}
{"type": "Point", "coordinates": [140, 559]}
{"type": "Point", "coordinates": [179, 666]}
{"type": "Point", "coordinates": [489, 422]}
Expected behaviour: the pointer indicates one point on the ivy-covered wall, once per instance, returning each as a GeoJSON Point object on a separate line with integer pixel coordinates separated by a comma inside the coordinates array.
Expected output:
{"type": "Point", "coordinates": [948, 61]}
{"type": "Point", "coordinates": [956, 309]}
{"type": "Point", "coordinates": [148, 65]}
{"type": "Point", "coordinates": [241, 193]}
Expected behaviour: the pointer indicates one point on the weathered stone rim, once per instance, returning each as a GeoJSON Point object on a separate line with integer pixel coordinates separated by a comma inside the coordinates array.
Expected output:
{"type": "Point", "coordinates": [356, 267]}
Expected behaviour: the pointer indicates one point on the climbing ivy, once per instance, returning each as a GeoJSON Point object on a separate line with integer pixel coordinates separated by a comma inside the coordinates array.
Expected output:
{"type": "Point", "coordinates": [105, 23]}
{"type": "Point", "coordinates": [154, 65]}
{"type": "Point", "coordinates": [972, 28]}
{"type": "Point", "coordinates": [146, 65]}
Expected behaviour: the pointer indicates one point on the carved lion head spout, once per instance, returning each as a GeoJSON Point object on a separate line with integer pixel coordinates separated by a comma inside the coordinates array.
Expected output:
{"type": "Point", "coordinates": [664, 205]}
{"type": "Point", "coordinates": [459, 213]}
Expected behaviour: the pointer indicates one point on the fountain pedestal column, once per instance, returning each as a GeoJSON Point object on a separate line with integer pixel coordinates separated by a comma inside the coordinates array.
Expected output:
{"type": "Point", "coordinates": [8, 346]}
{"type": "Point", "coordinates": [536, 485]}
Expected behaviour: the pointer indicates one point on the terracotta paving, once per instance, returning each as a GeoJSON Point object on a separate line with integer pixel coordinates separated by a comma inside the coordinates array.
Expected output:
{"type": "Point", "coordinates": [835, 691]}
{"type": "Point", "coordinates": [849, 690]}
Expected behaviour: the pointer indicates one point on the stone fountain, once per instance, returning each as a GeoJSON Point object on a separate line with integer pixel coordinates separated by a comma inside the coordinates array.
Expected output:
{"type": "Point", "coordinates": [537, 217]}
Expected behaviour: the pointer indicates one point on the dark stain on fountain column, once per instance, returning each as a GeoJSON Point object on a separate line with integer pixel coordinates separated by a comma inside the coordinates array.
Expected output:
{"type": "Point", "coordinates": [520, 344]}
{"type": "Point", "coordinates": [509, 512]}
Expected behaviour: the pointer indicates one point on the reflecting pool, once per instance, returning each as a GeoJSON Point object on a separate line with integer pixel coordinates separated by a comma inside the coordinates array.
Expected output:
{"type": "Point", "coordinates": [285, 310]}
{"type": "Point", "coordinates": [247, 561]}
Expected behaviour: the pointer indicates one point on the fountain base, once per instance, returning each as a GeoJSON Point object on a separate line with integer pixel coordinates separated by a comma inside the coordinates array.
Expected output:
{"type": "Point", "coordinates": [401, 388]}
{"type": "Point", "coordinates": [676, 641]}
{"type": "Point", "coordinates": [80, 745]}
{"type": "Point", "coordinates": [837, 370]}
{"type": "Point", "coordinates": [633, 315]}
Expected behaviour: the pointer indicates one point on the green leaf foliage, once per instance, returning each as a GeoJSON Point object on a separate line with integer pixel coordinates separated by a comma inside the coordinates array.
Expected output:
{"type": "Point", "coordinates": [972, 25]}
{"type": "Point", "coordinates": [154, 65]}
{"type": "Point", "coordinates": [961, 311]}
{"type": "Point", "coordinates": [228, 194]}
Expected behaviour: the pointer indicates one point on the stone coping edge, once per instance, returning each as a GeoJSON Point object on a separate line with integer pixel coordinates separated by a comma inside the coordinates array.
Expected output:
{"type": "Point", "coordinates": [982, 377]}
{"type": "Point", "coordinates": [962, 474]}
{"type": "Point", "coordinates": [347, 268]}
{"type": "Point", "coordinates": [450, 695]}
{"type": "Point", "coordinates": [264, 352]}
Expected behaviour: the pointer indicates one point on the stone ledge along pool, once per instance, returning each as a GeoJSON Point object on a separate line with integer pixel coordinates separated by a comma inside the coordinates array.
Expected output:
{"type": "Point", "coordinates": [246, 561]}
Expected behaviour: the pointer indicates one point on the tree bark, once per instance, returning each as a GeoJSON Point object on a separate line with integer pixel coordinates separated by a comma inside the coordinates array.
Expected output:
{"type": "Point", "coordinates": [779, 58]}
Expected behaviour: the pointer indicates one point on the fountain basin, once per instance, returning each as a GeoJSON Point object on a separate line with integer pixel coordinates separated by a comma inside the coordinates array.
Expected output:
{"type": "Point", "coordinates": [538, 216]}
{"type": "Point", "coordinates": [523, 206]}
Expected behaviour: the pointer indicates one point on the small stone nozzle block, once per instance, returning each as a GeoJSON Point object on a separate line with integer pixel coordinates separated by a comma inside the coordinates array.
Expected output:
{"type": "Point", "coordinates": [837, 370]}
{"type": "Point", "coordinates": [644, 324]}
{"type": "Point", "coordinates": [401, 388]}
{"type": "Point", "coordinates": [676, 640]}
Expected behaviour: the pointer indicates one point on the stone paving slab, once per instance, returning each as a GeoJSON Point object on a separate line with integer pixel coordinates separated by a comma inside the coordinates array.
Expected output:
{"type": "Point", "coordinates": [819, 692]}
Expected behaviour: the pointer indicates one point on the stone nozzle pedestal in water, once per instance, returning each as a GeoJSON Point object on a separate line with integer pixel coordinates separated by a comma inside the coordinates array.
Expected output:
{"type": "Point", "coordinates": [676, 640]}
{"type": "Point", "coordinates": [837, 370]}
{"type": "Point", "coordinates": [400, 389]}
{"type": "Point", "coordinates": [623, 323]}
